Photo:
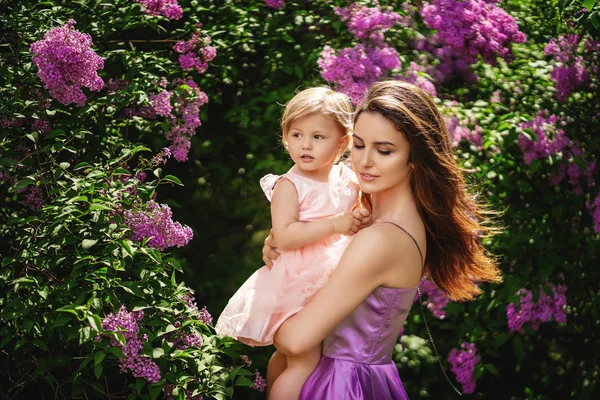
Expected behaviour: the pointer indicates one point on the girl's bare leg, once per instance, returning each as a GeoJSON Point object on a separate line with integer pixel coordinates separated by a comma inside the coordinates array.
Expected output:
{"type": "Point", "coordinates": [276, 366]}
{"type": "Point", "coordinates": [288, 384]}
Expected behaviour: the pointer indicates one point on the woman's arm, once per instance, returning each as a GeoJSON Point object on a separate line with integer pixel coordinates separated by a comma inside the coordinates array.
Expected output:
{"type": "Point", "coordinates": [363, 267]}
{"type": "Point", "coordinates": [292, 234]}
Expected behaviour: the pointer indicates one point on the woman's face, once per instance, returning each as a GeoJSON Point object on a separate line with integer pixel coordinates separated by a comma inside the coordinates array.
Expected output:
{"type": "Point", "coordinates": [380, 153]}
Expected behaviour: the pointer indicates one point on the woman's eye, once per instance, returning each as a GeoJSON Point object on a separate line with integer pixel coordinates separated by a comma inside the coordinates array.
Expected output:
{"type": "Point", "coordinates": [384, 153]}
{"type": "Point", "coordinates": [357, 146]}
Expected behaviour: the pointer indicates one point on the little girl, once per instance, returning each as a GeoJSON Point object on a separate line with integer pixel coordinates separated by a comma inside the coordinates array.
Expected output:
{"type": "Point", "coordinates": [311, 211]}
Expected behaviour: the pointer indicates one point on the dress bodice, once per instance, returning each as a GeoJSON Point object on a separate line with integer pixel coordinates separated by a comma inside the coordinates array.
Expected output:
{"type": "Point", "coordinates": [369, 334]}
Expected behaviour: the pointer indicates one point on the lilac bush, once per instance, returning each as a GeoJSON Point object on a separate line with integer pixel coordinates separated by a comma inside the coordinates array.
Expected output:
{"type": "Point", "coordinates": [544, 310]}
{"type": "Point", "coordinates": [167, 8]}
{"type": "Point", "coordinates": [549, 138]}
{"type": "Point", "coordinates": [66, 63]}
{"type": "Point", "coordinates": [128, 323]}
{"type": "Point", "coordinates": [463, 364]}
{"type": "Point", "coordinates": [474, 27]}
{"type": "Point", "coordinates": [154, 221]}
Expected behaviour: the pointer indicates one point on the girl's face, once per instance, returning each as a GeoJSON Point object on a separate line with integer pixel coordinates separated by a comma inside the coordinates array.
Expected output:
{"type": "Point", "coordinates": [380, 153]}
{"type": "Point", "coordinates": [314, 142]}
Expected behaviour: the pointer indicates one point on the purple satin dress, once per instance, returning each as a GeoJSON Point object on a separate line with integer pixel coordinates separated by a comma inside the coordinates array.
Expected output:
{"type": "Point", "coordinates": [357, 355]}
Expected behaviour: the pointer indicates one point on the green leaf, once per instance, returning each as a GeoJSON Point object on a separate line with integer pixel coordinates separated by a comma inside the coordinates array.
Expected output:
{"type": "Point", "coordinates": [98, 357]}
{"type": "Point", "coordinates": [243, 381]}
{"type": "Point", "coordinates": [589, 4]}
{"type": "Point", "coordinates": [173, 179]}
{"type": "Point", "coordinates": [154, 391]}
{"type": "Point", "coordinates": [117, 352]}
{"type": "Point", "coordinates": [158, 353]}
{"type": "Point", "coordinates": [21, 184]}
{"type": "Point", "coordinates": [95, 173]}
{"type": "Point", "coordinates": [95, 322]}
{"type": "Point", "coordinates": [99, 206]}
{"type": "Point", "coordinates": [169, 328]}
{"type": "Point", "coordinates": [87, 243]}
{"type": "Point", "coordinates": [77, 199]}
{"type": "Point", "coordinates": [61, 319]}
{"type": "Point", "coordinates": [98, 370]}
{"type": "Point", "coordinates": [157, 172]}
{"type": "Point", "coordinates": [139, 384]}
{"type": "Point", "coordinates": [40, 344]}
{"type": "Point", "coordinates": [7, 260]}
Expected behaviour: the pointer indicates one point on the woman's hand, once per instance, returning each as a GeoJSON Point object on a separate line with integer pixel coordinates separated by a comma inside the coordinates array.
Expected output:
{"type": "Point", "coordinates": [269, 250]}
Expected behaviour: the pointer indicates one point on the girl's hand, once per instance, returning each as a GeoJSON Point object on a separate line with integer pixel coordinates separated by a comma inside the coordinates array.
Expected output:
{"type": "Point", "coordinates": [347, 223]}
{"type": "Point", "coordinates": [364, 217]}
{"type": "Point", "coordinates": [269, 250]}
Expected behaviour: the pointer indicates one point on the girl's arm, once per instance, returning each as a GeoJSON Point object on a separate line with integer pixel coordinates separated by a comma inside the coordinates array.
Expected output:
{"type": "Point", "coordinates": [372, 259]}
{"type": "Point", "coordinates": [292, 234]}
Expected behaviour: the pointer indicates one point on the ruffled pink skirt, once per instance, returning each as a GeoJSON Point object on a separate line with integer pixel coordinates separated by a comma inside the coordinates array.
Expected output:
{"type": "Point", "coordinates": [270, 296]}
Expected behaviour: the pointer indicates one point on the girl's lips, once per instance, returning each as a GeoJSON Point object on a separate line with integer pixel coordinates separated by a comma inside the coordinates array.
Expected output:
{"type": "Point", "coordinates": [367, 177]}
{"type": "Point", "coordinates": [306, 158]}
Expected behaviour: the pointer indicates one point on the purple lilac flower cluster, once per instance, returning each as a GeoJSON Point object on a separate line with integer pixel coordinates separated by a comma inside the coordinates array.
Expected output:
{"type": "Point", "coordinates": [274, 3]}
{"type": "Point", "coordinates": [167, 8]}
{"type": "Point", "coordinates": [436, 298]}
{"type": "Point", "coordinates": [458, 132]}
{"type": "Point", "coordinates": [545, 309]}
{"type": "Point", "coordinates": [368, 23]}
{"type": "Point", "coordinates": [353, 69]}
{"type": "Point", "coordinates": [594, 209]}
{"type": "Point", "coordinates": [154, 222]}
{"type": "Point", "coordinates": [246, 360]}
{"type": "Point", "coordinates": [474, 27]}
{"type": "Point", "coordinates": [196, 52]}
{"type": "Point", "coordinates": [543, 126]}
{"type": "Point", "coordinates": [414, 75]}
{"type": "Point", "coordinates": [127, 323]}
{"type": "Point", "coordinates": [184, 118]}
{"type": "Point", "coordinates": [452, 65]}
{"type": "Point", "coordinates": [259, 382]}
{"type": "Point", "coordinates": [203, 314]}
{"type": "Point", "coordinates": [168, 390]}
{"type": "Point", "coordinates": [66, 63]}
{"type": "Point", "coordinates": [463, 364]}
{"type": "Point", "coordinates": [574, 173]}
{"type": "Point", "coordinates": [569, 73]}
{"type": "Point", "coordinates": [33, 197]}
{"type": "Point", "coordinates": [182, 340]}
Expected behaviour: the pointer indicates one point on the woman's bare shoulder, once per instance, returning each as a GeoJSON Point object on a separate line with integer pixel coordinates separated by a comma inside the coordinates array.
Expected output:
{"type": "Point", "coordinates": [398, 255]}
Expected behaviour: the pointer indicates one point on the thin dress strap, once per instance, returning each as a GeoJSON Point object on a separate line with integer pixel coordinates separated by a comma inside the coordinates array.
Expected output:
{"type": "Point", "coordinates": [423, 311]}
{"type": "Point", "coordinates": [411, 236]}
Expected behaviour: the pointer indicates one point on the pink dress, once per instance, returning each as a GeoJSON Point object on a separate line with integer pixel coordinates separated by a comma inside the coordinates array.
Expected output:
{"type": "Point", "coordinates": [270, 296]}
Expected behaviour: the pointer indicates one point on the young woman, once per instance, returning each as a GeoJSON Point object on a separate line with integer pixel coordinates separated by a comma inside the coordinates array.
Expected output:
{"type": "Point", "coordinates": [424, 222]}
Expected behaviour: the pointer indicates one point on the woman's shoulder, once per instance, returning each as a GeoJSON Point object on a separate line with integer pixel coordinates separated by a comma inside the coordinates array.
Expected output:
{"type": "Point", "coordinates": [393, 249]}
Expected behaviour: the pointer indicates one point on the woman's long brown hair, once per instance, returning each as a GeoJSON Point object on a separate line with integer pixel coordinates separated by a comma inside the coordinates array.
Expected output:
{"type": "Point", "coordinates": [454, 219]}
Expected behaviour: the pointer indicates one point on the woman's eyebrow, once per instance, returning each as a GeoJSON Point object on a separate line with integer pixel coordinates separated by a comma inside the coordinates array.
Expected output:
{"type": "Point", "coordinates": [377, 143]}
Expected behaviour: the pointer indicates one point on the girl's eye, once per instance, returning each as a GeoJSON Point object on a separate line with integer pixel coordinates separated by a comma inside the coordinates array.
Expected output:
{"type": "Point", "coordinates": [295, 134]}
{"type": "Point", "coordinates": [319, 137]}
{"type": "Point", "coordinates": [356, 146]}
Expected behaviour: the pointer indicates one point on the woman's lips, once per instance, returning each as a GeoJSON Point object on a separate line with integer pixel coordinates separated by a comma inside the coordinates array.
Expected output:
{"type": "Point", "coordinates": [367, 177]}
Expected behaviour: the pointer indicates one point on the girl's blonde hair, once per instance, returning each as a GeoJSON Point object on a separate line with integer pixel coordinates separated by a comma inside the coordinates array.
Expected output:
{"type": "Point", "coordinates": [318, 100]}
